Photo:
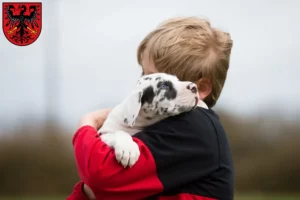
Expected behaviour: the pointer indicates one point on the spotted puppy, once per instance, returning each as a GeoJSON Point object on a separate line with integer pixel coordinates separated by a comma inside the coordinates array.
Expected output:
{"type": "Point", "coordinates": [156, 97]}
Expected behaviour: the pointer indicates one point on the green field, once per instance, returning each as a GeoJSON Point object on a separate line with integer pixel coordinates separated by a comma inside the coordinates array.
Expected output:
{"type": "Point", "coordinates": [239, 197]}
{"type": "Point", "coordinates": [267, 197]}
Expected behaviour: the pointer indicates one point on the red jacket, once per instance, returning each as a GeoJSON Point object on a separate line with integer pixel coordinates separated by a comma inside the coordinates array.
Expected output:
{"type": "Point", "coordinates": [181, 158]}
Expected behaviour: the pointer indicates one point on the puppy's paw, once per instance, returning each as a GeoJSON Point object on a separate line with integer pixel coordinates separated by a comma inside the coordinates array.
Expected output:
{"type": "Point", "coordinates": [108, 138]}
{"type": "Point", "coordinates": [126, 150]}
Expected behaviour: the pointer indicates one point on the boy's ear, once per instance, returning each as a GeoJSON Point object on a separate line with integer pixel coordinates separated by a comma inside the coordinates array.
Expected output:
{"type": "Point", "coordinates": [133, 106]}
{"type": "Point", "coordinates": [204, 87]}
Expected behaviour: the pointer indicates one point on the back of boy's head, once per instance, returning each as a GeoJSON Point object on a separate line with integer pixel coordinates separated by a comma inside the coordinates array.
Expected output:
{"type": "Point", "coordinates": [191, 49]}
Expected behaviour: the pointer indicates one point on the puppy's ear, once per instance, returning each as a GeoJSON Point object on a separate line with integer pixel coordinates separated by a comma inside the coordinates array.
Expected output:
{"type": "Point", "coordinates": [132, 107]}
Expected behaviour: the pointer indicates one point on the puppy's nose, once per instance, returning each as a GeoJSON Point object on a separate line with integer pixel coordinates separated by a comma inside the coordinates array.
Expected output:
{"type": "Point", "coordinates": [192, 87]}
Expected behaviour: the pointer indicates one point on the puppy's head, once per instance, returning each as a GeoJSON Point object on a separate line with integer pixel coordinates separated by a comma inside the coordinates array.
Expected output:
{"type": "Point", "coordinates": [158, 96]}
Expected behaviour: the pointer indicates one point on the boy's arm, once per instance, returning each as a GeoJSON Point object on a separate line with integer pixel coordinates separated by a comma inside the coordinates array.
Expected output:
{"type": "Point", "coordinates": [99, 169]}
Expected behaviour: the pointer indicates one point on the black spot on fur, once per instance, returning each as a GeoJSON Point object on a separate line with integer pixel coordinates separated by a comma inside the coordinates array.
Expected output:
{"type": "Point", "coordinates": [158, 87]}
{"type": "Point", "coordinates": [145, 110]}
{"type": "Point", "coordinates": [156, 105]}
{"type": "Point", "coordinates": [159, 84]}
{"type": "Point", "coordinates": [158, 78]}
{"type": "Point", "coordinates": [132, 116]}
{"type": "Point", "coordinates": [148, 118]}
{"type": "Point", "coordinates": [140, 96]}
{"type": "Point", "coordinates": [182, 109]}
{"type": "Point", "coordinates": [161, 99]}
{"type": "Point", "coordinates": [148, 78]}
{"type": "Point", "coordinates": [158, 91]}
{"type": "Point", "coordinates": [126, 121]}
{"type": "Point", "coordinates": [148, 95]}
{"type": "Point", "coordinates": [170, 93]}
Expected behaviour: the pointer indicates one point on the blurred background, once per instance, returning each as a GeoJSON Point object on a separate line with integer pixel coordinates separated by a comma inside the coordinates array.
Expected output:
{"type": "Point", "coordinates": [85, 59]}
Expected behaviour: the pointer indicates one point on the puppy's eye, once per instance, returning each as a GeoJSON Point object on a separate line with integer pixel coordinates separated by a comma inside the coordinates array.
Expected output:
{"type": "Point", "coordinates": [164, 86]}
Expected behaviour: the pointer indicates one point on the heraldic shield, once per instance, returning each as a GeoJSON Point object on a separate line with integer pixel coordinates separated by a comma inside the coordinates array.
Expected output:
{"type": "Point", "coordinates": [22, 22]}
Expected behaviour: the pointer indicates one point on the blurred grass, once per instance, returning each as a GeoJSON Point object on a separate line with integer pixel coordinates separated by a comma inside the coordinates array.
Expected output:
{"type": "Point", "coordinates": [40, 159]}
{"type": "Point", "coordinates": [267, 197]}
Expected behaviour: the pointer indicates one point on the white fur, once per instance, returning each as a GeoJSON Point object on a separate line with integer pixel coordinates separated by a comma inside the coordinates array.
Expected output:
{"type": "Point", "coordinates": [130, 116]}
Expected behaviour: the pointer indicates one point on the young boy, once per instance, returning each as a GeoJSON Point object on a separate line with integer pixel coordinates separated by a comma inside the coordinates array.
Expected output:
{"type": "Point", "coordinates": [182, 157]}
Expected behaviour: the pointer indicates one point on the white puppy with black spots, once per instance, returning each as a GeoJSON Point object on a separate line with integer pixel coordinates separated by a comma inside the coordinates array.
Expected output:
{"type": "Point", "coordinates": [156, 97]}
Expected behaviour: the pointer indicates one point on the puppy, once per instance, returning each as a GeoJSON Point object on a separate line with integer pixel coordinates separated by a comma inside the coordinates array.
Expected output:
{"type": "Point", "coordinates": [156, 97]}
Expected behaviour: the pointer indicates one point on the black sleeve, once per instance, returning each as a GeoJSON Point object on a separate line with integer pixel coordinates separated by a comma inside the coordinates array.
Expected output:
{"type": "Point", "coordinates": [185, 149]}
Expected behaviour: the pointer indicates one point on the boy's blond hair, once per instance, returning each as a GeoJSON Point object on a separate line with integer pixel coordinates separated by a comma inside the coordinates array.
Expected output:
{"type": "Point", "coordinates": [191, 49]}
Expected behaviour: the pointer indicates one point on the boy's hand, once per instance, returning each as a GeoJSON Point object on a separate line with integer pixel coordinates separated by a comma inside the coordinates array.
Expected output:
{"type": "Point", "coordinates": [88, 192]}
{"type": "Point", "coordinates": [95, 119]}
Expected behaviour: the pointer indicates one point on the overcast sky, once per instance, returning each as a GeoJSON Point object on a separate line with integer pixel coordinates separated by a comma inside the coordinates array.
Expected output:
{"type": "Point", "coordinates": [89, 51]}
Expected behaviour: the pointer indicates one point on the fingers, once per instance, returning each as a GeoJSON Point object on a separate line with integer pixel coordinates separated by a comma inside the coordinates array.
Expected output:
{"type": "Point", "coordinates": [99, 117]}
{"type": "Point", "coordinates": [95, 119]}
